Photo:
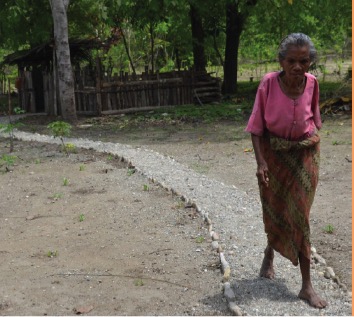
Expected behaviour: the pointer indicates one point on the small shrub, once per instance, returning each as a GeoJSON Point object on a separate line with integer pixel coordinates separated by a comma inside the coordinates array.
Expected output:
{"type": "Point", "coordinates": [60, 129]}
{"type": "Point", "coordinates": [329, 229]}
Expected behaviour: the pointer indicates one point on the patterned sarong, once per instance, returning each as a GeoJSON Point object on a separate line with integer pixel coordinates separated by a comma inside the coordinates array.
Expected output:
{"type": "Point", "coordinates": [293, 176]}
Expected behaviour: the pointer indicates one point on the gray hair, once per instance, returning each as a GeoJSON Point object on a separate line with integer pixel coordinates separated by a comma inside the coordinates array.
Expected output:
{"type": "Point", "coordinates": [299, 40]}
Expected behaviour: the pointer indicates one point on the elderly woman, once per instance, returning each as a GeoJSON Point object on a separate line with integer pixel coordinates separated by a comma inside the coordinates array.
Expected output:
{"type": "Point", "coordinates": [283, 126]}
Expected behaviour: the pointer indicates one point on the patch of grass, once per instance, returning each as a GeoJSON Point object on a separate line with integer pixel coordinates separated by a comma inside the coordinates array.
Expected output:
{"type": "Point", "coordinates": [199, 239]}
{"type": "Point", "coordinates": [139, 282]}
{"type": "Point", "coordinates": [82, 168]}
{"type": "Point", "coordinates": [81, 217]}
{"type": "Point", "coordinates": [131, 171]}
{"type": "Point", "coordinates": [69, 148]}
{"type": "Point", "coordinates": [65, 181]}
{"type": "Point", "coordinates": [37, 161]}
{"type": "Point", "coordinates": [9, 160]}
{"type": "Point", "coordinates": [329, 229]}
{"type": "Point", "coordinates": [57, 196]}
{"type": "Point", "coordinates": [146, 187]}
{"type": "Point", "coordinates": [52, 254]}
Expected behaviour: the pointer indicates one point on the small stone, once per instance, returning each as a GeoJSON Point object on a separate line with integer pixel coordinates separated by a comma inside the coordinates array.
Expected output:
{"type": "Point", "coordinates": [329, 273]}
{"type": "Point", "coordinates": [319, 259]}
{"type": "Point", "coordinates": [313, 250]}
{"type": "Point", "coordinates": [215, 236]}
{"type": "Point", "coordinates": [227, 273]}
{"type": "Point", "coordinates": [236, 311]}
{"type": "Point", "coordinates": [228, 292]}
{"type": "Point", "coordinates": [215, 245]}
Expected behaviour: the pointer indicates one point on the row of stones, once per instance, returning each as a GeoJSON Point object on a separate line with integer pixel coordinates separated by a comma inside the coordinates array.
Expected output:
{"type": "Point", "coordinates": [225, 268]}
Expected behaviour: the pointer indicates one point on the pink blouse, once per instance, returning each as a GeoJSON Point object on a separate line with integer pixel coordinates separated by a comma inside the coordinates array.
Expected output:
{"type": "Point", "coordinates": [284, 117]}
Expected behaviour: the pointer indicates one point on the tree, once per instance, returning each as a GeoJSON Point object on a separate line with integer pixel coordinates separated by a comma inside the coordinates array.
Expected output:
{"type": "Point", "coordinates": [198, 39]}
{"type": "Point", "coordinates": [236, 16]}
{"type": "Point", "coordinates": [63, 62]}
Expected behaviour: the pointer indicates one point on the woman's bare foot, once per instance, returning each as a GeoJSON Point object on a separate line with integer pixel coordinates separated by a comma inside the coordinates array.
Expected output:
{"type": "Point", "coordinates": [312, 298]}
{"type": "Point", "coordinates": [267, 269]}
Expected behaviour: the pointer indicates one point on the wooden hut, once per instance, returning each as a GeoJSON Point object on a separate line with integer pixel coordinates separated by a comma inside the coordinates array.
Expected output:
{"type": "Point", "coordinates": [36, 72]}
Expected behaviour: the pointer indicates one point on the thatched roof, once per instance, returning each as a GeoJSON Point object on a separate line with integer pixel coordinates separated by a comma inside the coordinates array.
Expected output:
{"type": "Point", "coordinates": [43, 54]}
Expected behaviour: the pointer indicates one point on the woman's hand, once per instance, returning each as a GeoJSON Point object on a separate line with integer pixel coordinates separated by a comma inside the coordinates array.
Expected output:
{"type": "Point", "coordinates": [262, 174]}
{"type": "Point", "coordinates": [262, 166]}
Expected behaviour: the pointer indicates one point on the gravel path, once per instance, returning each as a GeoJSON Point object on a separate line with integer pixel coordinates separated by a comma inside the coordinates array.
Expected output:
{"type": "Point", "coordinates": [234, 216]}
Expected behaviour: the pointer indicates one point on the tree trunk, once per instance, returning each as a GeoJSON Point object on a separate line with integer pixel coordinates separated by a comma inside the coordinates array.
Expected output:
{"type": "Point", "coordinates": [234, 26]}
{"type": "Point", "coordinates": [152, 46]}
{"type": "Point", "coordinates": [198, 40]}
{"type": "Point", "coordinates": [235, 21]}
{"type": "Point", "coordinates": [62, 50]}
{"type": "Point", "coordinates": [127, 51]}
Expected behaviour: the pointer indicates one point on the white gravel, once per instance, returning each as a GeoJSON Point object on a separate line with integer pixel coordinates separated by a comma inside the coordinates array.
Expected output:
{"type": "Point", "coordinates": [236, 215]}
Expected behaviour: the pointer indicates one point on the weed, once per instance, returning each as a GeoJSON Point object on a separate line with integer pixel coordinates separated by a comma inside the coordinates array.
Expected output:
{"type": "Point", "coordinates": [69, 148]}
{"type": "Point", "coordinates": [199, 239]}
{"type": "Point", "coordinates": [57, 196]}
{"type": "Point", "coordinates": [37, 161]}
{"type": "Point", "coordinates": [9, 159]}
{"type": "Point", "coordinates": [146, 187]}
{"type": "Point", "coordinates": [82, 168]}
{"type": "Point", "coordinates": [9, 128]}
{"type": "Point", "coordinates": [139, 282]}
{"type": "Point", "coordinates": [52, 254]}
{"type": "Point", "coordinates": [109, 157]}
{"type": "Point", "coordinates": [65, 181]}
{"type": "Point", "coordinates": [60, 129]}
{"type": "Point", "coordinates": [81, 217]}
{"type": "Point", "coordinates": [335, 142]}
{"type": "Point", "coordinates": [131, 171]}
{"type": "Point", "coordinates": [329, 229]}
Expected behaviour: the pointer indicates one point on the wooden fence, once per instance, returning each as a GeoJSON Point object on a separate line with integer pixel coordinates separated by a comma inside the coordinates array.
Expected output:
{"type": "Point", "coordinates": [96, 93]}
{"type": "Point", "coordinates": [125, 93]}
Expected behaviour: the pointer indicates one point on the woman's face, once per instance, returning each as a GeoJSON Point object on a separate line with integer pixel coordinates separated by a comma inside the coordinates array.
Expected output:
{"type": "Point", "coordinates": [296, 62]}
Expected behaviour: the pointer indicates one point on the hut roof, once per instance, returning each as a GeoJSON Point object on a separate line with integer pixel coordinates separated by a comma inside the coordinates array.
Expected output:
{"type": "Point", "coordinates": [79, 50]}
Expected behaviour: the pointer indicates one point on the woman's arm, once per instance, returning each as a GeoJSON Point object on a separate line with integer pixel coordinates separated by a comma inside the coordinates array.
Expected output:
{"type": "Point", "coordinates": [262, 166]}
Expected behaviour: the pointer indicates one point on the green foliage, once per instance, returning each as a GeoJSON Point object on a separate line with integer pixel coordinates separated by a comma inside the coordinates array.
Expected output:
{"type": "Point", "coordinates": [60, 128]}
{"type": "Point", "coordinates": [9, 160]}
{"type": "Point", "coordinates": [199, 239]}
{"type": "Point", "coordinates": [9, 128]}
{"type": "Point", "coordinates": [329, 229]}
{"type": "Point", "coordinates": [57, 196]}
{"type": "Point", "coordinates": [139, 282]}
{"type": "Point", "coordinates": [69, 148]}
{"type": "Point", "coordinates": [65, 181]}
{"type": "Point", "coordinates": [52, 254]}
{"type": "Point", "coordinates": [81, 217]}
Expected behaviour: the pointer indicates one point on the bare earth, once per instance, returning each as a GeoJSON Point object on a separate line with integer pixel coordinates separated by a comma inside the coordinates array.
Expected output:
{"type": "Point", "coordinates": [111, 243]}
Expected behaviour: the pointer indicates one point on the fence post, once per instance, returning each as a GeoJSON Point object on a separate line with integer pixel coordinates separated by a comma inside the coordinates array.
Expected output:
{"type": "Point", "coordinates": [10, 108]}
{"type": "Point", "coordinates": [99, 85]}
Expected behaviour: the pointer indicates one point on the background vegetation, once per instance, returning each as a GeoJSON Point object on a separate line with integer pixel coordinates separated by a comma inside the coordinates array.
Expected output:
{"type": "Point", "coordinates": [170, 34]}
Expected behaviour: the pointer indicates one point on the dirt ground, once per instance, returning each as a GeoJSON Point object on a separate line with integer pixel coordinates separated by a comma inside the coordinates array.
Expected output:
{"type": "Point", "coordinates": [85, 235]}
